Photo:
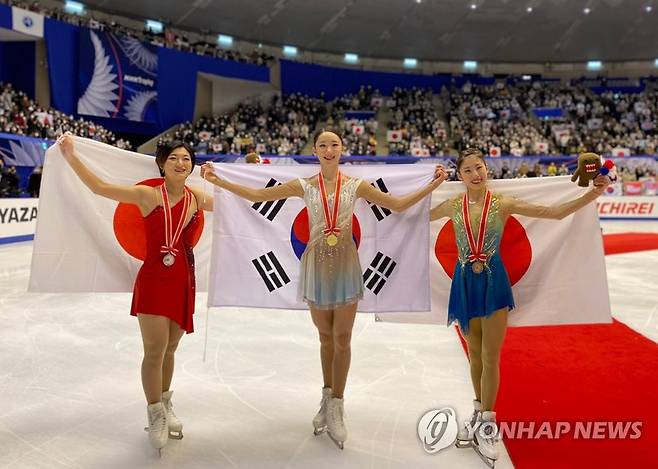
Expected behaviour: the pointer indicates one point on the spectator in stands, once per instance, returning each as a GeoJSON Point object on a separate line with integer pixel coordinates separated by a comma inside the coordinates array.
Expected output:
{"type": "Point", "coordinates": [34, 183]}
{"type": "Point", "coordinates": [10, 182]}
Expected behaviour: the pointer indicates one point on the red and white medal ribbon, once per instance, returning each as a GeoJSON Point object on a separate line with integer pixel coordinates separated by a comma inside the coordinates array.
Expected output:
{"type": "Point", "coordinates": [476, 249]}
{"type": "Point", "coordinates": [331, 219]}
{"type": "Point", "coordinates": [171, 236]}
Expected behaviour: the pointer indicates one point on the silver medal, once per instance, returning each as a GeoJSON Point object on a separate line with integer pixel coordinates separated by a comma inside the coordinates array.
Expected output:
{"type": "Point", "coordinates": [168, 260]}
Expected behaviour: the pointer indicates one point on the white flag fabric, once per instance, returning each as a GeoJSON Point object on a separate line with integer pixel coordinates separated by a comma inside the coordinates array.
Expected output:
{"type": "Point", "coordinates": [257, 247]}
{"type": "Point", "coordinates": [27, 22]}
{"type": "Point", "coordinates": [75, 245]}
{"type": "Point", "coordinates": [557, 267]}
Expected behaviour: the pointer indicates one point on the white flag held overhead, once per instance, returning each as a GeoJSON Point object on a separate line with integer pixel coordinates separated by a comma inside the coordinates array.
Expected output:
{"type": "Point", "coordinates": [557, 267]}
{"type": "Point", "coordinates": [257, 246]}
{"type": "Point", "coordinates": [77, 245]}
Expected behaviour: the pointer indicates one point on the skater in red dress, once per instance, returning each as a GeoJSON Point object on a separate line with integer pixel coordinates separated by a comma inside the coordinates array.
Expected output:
{"type": "Point", "coordinates": [163, 297]}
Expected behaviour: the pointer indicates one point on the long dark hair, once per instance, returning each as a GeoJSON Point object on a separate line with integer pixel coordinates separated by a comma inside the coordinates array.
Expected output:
{"type": "Point", "coordinates": [165, 149]}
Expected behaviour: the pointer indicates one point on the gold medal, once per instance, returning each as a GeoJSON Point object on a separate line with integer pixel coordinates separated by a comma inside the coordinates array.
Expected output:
{"type": "Point", "coordinates": [332, 239]}
{"type": "Point", "coordinates": [477, 267]}
{"type": "Point", "coordinates": [331, 220]}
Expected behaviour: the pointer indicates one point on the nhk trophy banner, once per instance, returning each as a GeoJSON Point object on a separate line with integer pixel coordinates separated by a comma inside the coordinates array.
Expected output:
{"type": "Point", "coordinates": [556, 267]}
{"type": "Point", "coordinates": [257, 247]}
{"type": "Point", "coordinates": [118, 77]}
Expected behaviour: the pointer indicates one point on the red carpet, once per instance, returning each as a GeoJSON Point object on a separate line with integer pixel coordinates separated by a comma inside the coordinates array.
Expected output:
{"type": "Point", "coordinates": [585, 373]}
{"type": "Point", "coordinates": [629, 242]}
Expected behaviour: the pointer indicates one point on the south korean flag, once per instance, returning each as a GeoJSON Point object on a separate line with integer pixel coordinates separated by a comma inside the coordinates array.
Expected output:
{"type": "Point", "coordinates": [257, 247]}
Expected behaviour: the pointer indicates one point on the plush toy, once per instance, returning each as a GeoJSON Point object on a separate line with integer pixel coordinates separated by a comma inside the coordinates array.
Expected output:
{"type": "Point", "coordinates": [589, 165]}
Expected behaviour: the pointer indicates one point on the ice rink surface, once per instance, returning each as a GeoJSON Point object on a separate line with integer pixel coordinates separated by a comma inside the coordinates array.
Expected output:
{"type": "Point", "coordinates": [70, 393]}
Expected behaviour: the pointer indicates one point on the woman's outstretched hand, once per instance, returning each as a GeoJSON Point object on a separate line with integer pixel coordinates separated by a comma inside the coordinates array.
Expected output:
{"type": "Point", "coordinates": [66, 145]}
{"type": "Point", "coordinates": [208, 172]}
{"type": "Point", "coordinates": [440, 175]}
{"type": "Point", "coordinates": [601, 182]}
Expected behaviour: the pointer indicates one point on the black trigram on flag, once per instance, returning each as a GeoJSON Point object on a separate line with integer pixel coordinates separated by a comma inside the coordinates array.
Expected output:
{"type": "Point", "coordinates": [270, 271]}
{"type": "Point", "coordinates": [270, 209]}
{"type": "Point", "coordinates": [380, 212]}
{"type": "Point", "coordinates": [375, 276]}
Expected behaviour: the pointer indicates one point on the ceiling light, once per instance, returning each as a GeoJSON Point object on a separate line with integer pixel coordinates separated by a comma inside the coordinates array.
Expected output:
{"type": "Point", "coordinates": [290, 51]}
{"type": "Point", "coordinates": [224, 40]}
{"type": "Point", "coordinates": [410, 62]}
{"type": "Point", "coordinates": [594, 65]}
{"type": "Point", "coordinates": [154, 26]}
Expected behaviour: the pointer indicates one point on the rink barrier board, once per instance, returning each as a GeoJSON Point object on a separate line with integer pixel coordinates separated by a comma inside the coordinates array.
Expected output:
{"type": "Point", "coordinates": [18, 219]}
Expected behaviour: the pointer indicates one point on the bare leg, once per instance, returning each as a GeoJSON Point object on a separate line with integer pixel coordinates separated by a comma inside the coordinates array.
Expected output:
{"type": "Point", "coordinates": [493, 335]}
{"type": "Point", "coordinates": [155, 336]}
{"type": "Point", "coordinates": [323, 320]}
{"type": "Point", "coordinates": [474, 341]}
{"type": "Point", "coordinates": [175, 335]}
{"type": "Point", "coordinates": [342, 335]}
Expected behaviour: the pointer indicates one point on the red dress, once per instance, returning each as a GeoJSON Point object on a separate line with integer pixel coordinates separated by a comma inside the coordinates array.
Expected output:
{"type": "Point", "coordinates": [161, 290]}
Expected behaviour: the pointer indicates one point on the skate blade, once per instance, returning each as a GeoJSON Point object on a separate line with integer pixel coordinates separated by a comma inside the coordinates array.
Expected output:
{"type": "Point", "coordinates": [319, 430]}
{"type": "Point", "coordinates": [463, 444]}
{"type": "Point", "coordinates": [491, 463]}
{"type": "Point", "coordinates": [340, 444]}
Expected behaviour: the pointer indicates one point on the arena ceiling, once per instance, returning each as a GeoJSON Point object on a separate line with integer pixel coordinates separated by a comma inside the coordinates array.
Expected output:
{"type": "Point", "coordinates": [495, 30]}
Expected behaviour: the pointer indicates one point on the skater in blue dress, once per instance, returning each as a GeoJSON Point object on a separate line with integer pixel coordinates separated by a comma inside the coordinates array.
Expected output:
{"type": "Point", "coordinates": [331, 279]}
{"type": "Point", "coordinates": [481, 293]}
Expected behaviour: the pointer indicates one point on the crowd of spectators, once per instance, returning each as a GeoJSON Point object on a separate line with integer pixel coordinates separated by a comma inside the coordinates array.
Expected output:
{"type": "Point", "coordinates": [416, 124]}
{"type": "Point", "coordinates": [281, 128]}
{"type": "Point", "coordinates": [503, 116]}
{"type": "Point", "coordinates": [20, 115]}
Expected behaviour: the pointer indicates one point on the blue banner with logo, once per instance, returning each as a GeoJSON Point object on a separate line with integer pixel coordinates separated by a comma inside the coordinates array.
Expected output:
{"type": "Point", "coordinates": [118, 77]}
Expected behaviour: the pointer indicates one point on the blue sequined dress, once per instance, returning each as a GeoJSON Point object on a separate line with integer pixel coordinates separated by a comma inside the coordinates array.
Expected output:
{"type": "Point", "coordinates": [477, 295]}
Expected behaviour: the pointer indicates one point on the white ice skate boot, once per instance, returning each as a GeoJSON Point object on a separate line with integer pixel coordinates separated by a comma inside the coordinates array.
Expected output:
{"type": "Point", "coordinates": [175, 425]}
{"type": "Point", "coordinates": [320, 420]}
{"type": "Point", "coordinates": [335, 422]}
{"type": "Point", "coordinates": [158, 432]}
{"type": "Point", "coordinates": [465, 435]}
{"type": "Point", "coordinates": [486, 438]}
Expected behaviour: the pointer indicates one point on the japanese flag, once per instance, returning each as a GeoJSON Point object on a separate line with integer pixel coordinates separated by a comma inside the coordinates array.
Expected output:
{"type": "Point", "coordinates": [394, 136]}
{"type": "Point", "coordinates": [620, 152]}
{"type": "Point", "coordinates": [556, 267]}
{"type": "Point", "coordinates": [87, 243]}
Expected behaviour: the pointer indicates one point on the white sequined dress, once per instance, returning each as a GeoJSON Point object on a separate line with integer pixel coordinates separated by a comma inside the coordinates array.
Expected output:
{"type": "Point", "coordinates": [330, 275]}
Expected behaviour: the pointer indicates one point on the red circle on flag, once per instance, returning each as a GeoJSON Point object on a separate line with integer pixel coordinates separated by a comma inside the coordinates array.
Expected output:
{"type": "Point", "coordinates": [515, 249]}
{"type": "Point", "coordinates": [129, 229]}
